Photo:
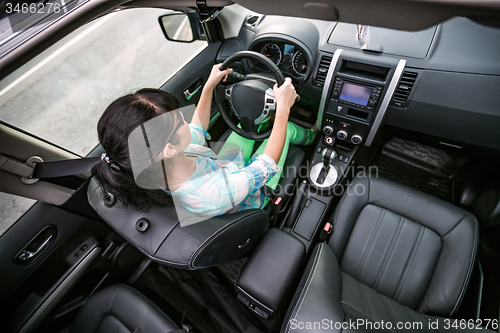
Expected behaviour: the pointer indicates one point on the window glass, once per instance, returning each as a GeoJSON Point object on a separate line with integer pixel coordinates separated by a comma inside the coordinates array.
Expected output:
{"type": "Point", "coordinates": [60, 95]}
{"type": "Point", "coordinates": [12, 207]}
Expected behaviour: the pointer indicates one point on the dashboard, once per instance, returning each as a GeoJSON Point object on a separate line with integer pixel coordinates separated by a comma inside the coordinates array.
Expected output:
{"type": "Point", "coordinates": [291, 59]}
{"type": "Point", "coordinates": [447, 90]}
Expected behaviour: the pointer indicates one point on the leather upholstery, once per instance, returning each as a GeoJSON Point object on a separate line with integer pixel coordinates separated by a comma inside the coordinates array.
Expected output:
{"type": "Point", "coordinates": [120, 309]}
{"type": "Point", "coordinates": [272, 268]}
{"type": "Point", "coordinates": [395, 254]}
{"type": "Point", "coordinates": [405, 244]}
{"type": "Point", "coordinates": [192, 245]}
{"type": "Point", "coordinates": [327, 298]}
{"type": "Point", "coordinates": [208, 243]}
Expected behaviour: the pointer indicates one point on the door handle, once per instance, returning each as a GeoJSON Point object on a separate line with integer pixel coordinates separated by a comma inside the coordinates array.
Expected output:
{"type": "Point", "coordinates": [37, 245]}
{"type": "Point", "coordinates": [189, 94]}
{"type": "Point", "coordinates": [29, 254]}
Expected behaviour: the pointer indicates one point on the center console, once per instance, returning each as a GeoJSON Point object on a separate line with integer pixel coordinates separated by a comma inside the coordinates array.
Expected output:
{"type": "Point", "coordinates": [357, 91]}
{"type": "Point", "coordinates": [355, 96]}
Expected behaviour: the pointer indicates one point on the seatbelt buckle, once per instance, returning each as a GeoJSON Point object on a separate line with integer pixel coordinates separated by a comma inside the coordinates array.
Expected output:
{"type": "Point", "coordinates": [325, 232]}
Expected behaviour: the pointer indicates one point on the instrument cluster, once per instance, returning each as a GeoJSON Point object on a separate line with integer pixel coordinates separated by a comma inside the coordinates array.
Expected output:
{"type": "Point", "coordinates": [288, 57]}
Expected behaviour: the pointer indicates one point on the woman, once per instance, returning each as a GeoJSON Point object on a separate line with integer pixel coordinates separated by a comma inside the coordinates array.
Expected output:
{"type": "Point", "coordinates": [176, 158]}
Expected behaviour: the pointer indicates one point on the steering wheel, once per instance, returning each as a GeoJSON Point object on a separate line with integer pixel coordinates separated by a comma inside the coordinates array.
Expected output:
{"type": "Point", "coordinates": [252, 100]}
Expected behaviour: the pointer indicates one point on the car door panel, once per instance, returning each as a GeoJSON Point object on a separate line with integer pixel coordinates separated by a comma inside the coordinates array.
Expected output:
{"type": "Point", "coordinates": [198, 68]}
{"type": "Point", "coordinates": [21, 146]}
{"type": "Point", "coordinates": [29, 292]}
{"type": "Point", "coordinates": [78, 252]}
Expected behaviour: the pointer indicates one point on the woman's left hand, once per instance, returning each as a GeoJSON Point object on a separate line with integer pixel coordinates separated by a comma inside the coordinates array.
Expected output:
{"type": "Point", "coordinates": [216, 76]}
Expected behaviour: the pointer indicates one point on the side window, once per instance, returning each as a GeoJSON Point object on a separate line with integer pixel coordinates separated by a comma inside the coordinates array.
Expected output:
{"type": "Point", "coordinates": [60, 95]}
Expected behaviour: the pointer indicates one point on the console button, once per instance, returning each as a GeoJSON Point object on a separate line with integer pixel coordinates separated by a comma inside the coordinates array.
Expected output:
{"type": "Point", "coordinates": [341, 157]}
{"type": "Point", "coordinates": [342, 135]}
{"type": "Point", "coordinates": [345, 125]}
{"type": "Point", "coordinates": [328, 130]}
{"type": "Point", "coordinates": [346, 159]}
{"type": "Point", "coordinates": [356, 139]}
{"type": "Point", "coordinates": [371, 103]}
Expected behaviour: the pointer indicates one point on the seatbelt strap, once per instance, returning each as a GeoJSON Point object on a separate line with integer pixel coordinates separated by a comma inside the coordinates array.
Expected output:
{"type": "Point", "coordinates": [64, 168]}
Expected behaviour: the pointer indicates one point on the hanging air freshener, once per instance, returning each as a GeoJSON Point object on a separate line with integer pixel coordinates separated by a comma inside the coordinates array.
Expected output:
{"type": "Point", "coordinates": [363, 35]}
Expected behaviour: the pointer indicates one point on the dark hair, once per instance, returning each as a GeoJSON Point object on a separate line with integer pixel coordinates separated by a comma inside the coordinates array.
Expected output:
{"type": "Point", "coordinates": [114, 127]}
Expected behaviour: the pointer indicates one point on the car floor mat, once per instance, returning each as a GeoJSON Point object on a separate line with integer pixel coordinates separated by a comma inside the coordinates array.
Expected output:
{"type": "Point", "coordinates": [166, 295]}
{"type": "Point", "coordinates": [203, 288]}
{"type": "Point", "coordinates": [421, 167]}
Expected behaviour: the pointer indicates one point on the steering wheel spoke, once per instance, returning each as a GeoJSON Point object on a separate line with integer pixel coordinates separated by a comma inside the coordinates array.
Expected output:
{"type": "Point", "coordinates": [251, 100]}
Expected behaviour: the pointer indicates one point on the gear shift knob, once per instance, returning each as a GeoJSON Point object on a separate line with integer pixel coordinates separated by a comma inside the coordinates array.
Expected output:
{"type": "Point", "coordinates": [328, 155]}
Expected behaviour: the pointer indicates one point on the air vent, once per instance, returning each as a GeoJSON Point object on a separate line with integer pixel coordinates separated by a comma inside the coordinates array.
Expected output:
{"type": "Point", "coordinates": [252, 20]}
{"type": "Point", "coordinates": [403, 90]}
{"type": "Point", "coordinates": [324, 64]}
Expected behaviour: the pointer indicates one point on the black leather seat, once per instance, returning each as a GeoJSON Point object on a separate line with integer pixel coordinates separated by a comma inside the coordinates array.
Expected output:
{"type": "Point", "coordinates": [171, 236]}
{"type": "Point", "coordinates": [121, 309]}
{"type": "Point", "coordinates": [395, 255]}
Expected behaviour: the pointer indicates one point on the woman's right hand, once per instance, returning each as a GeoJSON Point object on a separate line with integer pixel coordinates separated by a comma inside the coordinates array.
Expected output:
{"type": "Point", "coordinates": [285, 96]}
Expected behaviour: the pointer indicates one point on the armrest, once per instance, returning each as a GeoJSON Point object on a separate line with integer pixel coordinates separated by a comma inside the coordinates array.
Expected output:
{"type": "Point", "coordinates": [270, 272]}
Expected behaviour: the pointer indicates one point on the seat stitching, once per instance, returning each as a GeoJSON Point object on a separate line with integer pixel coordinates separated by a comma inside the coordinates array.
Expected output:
{"type": "Point", "coordinates": [388, 254]}
{"type": "Point", "coordinates": [459, 221]}
{"type": "Point", "coordinates": [337, 210]}
{"type": "Point", "coordinates": [411, 316]}
{"type": "Point", "coordinates": [393, 316]}
{"type": "Point", "coordinates": [365, 298]}
{"type": "Point", "coordinates": [303, 294]}
{"type": "Point", "coordinates": [409, 263]}
{"type": "Point", "coordinates": [370, 243]}
{"type": "Point", "coordinates": [347, 304]}
{"type": "Point", "coordinates": [335, 216]}
{"type": "Point", "coordinates": [469, 270]}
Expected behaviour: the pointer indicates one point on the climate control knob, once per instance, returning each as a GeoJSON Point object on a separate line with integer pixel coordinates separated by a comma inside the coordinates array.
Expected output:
{"type": "Point", "coordinates": [327, 130]}
{"type": "Point", "coordinates": [356, 139]}
{"type": "Point", "coordinates": [342, 135]}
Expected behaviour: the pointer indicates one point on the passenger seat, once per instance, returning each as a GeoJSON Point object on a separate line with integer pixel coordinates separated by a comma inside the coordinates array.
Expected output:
{"type": "Point", "coordinates": [121, 309]}
{"type": "Point", "coordinates": [397, 260]}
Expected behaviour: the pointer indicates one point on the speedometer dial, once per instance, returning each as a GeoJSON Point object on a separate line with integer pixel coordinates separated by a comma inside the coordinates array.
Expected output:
{"type": "Point", "coordinates": [273, 52]}
{"type": "Point", "coordinates": [299, 62]}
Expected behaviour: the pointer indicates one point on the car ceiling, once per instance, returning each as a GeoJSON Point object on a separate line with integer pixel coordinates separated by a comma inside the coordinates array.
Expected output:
{"type": "Point", "coordinates": [396, 14]}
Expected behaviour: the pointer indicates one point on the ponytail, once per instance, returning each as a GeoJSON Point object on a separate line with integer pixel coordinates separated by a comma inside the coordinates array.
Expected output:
{"type": "Point", "coordinates": [114, 174]}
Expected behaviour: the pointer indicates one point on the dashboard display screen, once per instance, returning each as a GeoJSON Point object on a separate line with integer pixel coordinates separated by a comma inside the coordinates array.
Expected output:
{"type": "Point", "coordinates": [288, 52]}
{"type": "Point", "coordinates": [355, 94]}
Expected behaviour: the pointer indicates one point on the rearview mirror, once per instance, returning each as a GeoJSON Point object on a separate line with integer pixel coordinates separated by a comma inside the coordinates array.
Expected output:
{"type": "Point", "coordinates": [181, 27]}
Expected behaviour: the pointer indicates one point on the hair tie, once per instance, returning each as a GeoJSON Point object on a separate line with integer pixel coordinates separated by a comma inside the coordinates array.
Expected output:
{"type": "Point", "coordinates": [105, 158]}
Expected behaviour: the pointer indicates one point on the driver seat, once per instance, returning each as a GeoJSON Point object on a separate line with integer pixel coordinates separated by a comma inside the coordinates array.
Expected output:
{"type": "Point", "coordinates": [164, 236]}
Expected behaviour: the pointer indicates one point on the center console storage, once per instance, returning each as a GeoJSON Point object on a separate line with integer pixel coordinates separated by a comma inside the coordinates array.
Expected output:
{"type": "Point", "coordinates": [270, 272]}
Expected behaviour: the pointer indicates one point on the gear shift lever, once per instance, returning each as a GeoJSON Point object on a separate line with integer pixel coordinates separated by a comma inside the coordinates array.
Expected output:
{"type": "Point", "coordinates": [324, 174]}
{"type": "Point", "coordinates": [327, 155]}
